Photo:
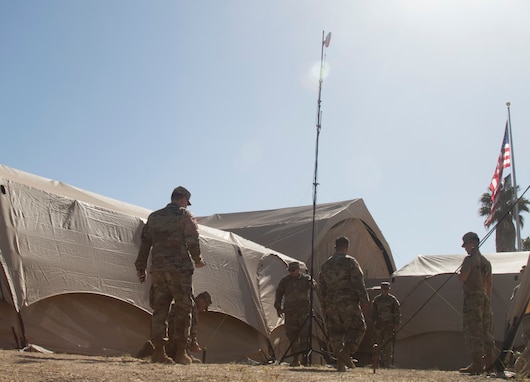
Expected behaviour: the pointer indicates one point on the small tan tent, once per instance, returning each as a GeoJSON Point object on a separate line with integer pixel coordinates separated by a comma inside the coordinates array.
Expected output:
{"type": "Point", "coordinates": [68, 283]}
{"type": "Point", "coordinates": [431, 307]}
{"type": "Point", "coordinates": [290, 230]}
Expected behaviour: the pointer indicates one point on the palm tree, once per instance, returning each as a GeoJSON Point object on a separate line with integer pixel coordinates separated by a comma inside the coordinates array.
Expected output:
{"type": "Point", "coordinates": [526, 244]}
{"type": "Point", "coordinates": [503, 216]}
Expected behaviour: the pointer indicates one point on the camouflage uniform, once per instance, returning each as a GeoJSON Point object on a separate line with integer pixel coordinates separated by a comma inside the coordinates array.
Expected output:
{"type": "Point", "coordinates": [342, 291]}
{"type": "Point", "coordinates": [386, 317]}
{"type": "Point", "coordinates": [294, 292]}
{"type": "Point", "coordinates": [170, 236]}
{"type": "Point", "coordinates": [477, 314]}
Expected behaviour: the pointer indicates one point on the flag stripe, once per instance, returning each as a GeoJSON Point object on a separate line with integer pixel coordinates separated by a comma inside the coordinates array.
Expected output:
{"type": "Point", "coordinates": [503, 162]}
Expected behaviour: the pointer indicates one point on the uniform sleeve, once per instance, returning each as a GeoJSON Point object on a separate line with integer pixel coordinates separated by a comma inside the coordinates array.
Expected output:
{"type": "Point", "coordinates": [357, 279]}
{"type": "Point", "coordinates": [373, 310]}
{"type": "Point", "coordinates": [396, 311]}
{"type": "Point", "coordinates": [322, 291]}
{"type": "Point", "coordinates": [191, 237]}
{"type": "Point", "coordinates": [145, 248]}
{"type": "Point", "coordinates": [280, 291]}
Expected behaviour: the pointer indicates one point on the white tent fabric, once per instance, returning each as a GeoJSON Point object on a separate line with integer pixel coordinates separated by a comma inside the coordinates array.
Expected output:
{"type": "Point", "coordinates": [68, 283]}
{"type": "Point", "coordinates": [431, 306]}
{"type": "Point", "coordinates": [290, 230]}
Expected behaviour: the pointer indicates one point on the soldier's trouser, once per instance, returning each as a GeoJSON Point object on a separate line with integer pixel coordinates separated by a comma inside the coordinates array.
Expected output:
{"type": "Point", "coordinates": [296, 329]}
{"type": "Point", "coordinates": [478, 324]}
{"type": "Point", "coordinates": [346, 325]}
{"type": "Point", "coordinates": [384, 338]}
{"type": "Point", "coordinates": [171, 286]}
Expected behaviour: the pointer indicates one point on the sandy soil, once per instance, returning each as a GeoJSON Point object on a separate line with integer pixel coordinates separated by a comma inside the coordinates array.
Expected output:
{"type": "Point", "coordinates": [33, 366]}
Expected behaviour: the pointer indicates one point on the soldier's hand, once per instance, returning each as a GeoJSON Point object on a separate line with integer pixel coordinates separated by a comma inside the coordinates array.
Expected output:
{"type": "Point", "coordinates": [200, 264]}
{"type": "Point", "coordinates": [141, 275]}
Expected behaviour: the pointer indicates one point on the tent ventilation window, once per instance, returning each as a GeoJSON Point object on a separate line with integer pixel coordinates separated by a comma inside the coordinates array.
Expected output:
{"type": "Point", "coordinates": [3, 189]}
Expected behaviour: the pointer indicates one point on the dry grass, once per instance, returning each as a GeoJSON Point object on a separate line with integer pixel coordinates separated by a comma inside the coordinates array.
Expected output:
{"type": "Point", "coordinates": [31, 366]}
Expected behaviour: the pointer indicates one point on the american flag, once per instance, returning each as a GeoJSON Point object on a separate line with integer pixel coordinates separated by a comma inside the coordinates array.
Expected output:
{"type": "Point", "coordinates": [496, 182]}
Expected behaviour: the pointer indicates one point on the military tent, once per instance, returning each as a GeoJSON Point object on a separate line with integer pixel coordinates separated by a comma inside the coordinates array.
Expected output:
{"type": "Point", "coordinates": [290, 231]}
{"type": "Point", "coordinates": [431, 306]}
{"type": "Point", "coordinates": [68, 283]}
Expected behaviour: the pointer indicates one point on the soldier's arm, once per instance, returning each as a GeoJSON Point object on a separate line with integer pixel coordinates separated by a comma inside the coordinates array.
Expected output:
{"type": "Point", "coordinates": [191, 238]}
{"type": "Point", "coordinates": [280, 291]}
{"type": "Point", "coordinates": [357, 280]}
{"type": "Point", "coordinates": [397, 313]}
{"type": "Point", "coordinates": [143, 253]}
{"type": "Point", "coordinates": [322, 292]}
{"type": "Point", "coordinates": [373, 311]}
{"type": "Point", "coordinates": [465, 270]}
{"type": "Point", "coordinates": [489, 285]}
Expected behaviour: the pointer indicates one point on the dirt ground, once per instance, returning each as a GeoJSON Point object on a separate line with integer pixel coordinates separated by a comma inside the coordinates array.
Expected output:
{"type": "Point", "coordinates": [16, 365]}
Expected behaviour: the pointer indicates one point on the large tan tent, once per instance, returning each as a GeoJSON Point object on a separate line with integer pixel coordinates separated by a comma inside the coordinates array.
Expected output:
{"type": "Point", "coordinates": [290, 231]}
{"type": "Point", "coordinates": [68, 283]}
{"type": "Point", "coordinates": [431, 307]}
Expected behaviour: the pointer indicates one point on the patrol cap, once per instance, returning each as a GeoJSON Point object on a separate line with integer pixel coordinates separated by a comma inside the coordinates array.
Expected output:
{"type": "Point", "coordinates": [206, 296]}
{"type": "Point", "coordinates": [293, 265]}
{"type": "Point", "coordinates": [385, 285]}
{"type": "Point", "coordinates": [470, 236]}
{"type": "Point", "coordinates": [181, 191]}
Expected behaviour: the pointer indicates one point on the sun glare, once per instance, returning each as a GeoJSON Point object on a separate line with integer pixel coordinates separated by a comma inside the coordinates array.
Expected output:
{"type": "Point", "coordinates": [315, 71]}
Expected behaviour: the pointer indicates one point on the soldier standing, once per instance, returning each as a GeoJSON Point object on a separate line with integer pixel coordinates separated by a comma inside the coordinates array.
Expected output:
{"type": "Point", "coordinates": [293, 290]}
{"type": "Point", "coordinates": [171, 237]}
{"type": "Point", "coordinates": [343, 296]}
{"type": "Point", "coordinates": [386, 318]}
{"type": "Point", "coordinates": [475, 275]}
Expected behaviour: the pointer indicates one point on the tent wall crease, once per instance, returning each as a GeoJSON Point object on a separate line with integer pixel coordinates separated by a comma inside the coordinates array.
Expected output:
{"type": "Point", "coordinates": [289, 231]}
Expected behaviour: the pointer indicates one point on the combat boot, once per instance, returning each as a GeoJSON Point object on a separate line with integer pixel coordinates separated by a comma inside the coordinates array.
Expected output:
{"type": "Point", "coordinates": [489, 362]}
{"type": "Point", "coordinates": [476, 367]}
{"type": "Point", "coordinates": [146, 350]}
{"type": "Point", "coordinates": [345, 355]}
{"type": "Point", "coordinates": [465, 369]}
{"type": "Point", "coordinates": [296, 361]}
{"type": "Point", "coordinates": [341, 367]}
{"type": "Point", "coordinates": [181, 356]}
{"type": "Point", "coordinates": [159, 353]}
{"type": "Point", "coordinates": [193, 359]}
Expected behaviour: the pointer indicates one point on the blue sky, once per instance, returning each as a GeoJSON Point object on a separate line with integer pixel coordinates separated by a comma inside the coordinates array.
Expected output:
{"type": "Point", "coordinates": [129, 99]}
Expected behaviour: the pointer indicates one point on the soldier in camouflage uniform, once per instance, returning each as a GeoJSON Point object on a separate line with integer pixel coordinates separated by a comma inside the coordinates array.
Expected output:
{"type": "Point", "coordinates": [386, 318]}
{"type": "Point", "coordinates": [475, 275]}
{"type": "Point", "coordinates": [171, 237]}
{"type": "Point", "coordinates": [343, 296]}
{"type": "Point", "coordinates": [293, 290]}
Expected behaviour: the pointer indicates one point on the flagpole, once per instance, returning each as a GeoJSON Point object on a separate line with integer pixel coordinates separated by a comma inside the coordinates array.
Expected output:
{"type": "Point", "coordinates": [512, 160]}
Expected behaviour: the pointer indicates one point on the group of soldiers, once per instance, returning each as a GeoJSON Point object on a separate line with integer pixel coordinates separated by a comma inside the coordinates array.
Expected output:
{"type": "Point", "coordinates": [171, 238]}
{"type": "Point", "coordinates": [343, 298]}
